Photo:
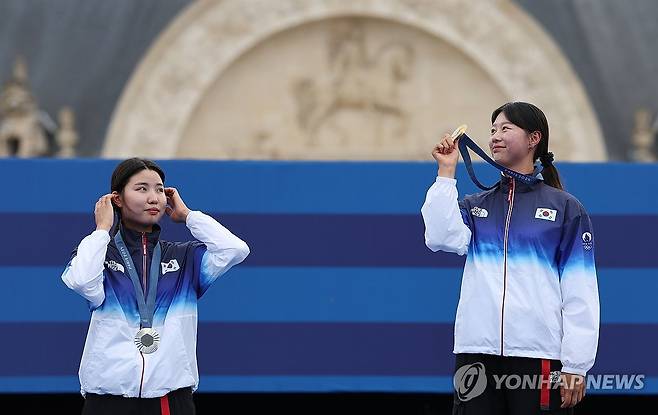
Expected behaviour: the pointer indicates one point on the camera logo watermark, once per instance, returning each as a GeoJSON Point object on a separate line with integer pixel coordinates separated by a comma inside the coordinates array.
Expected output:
{"type": "Point", "coordinates": [470, 381]}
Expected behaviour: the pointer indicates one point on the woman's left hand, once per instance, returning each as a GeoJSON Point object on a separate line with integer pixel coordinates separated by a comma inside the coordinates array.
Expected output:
{"type": "Point", "coordinates": [176, 208]}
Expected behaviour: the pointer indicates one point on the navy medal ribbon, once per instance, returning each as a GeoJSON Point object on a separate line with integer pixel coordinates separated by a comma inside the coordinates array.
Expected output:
{"type": "Point", "coordinates": [465, 142]}
{"type": "Point", "coordinates": [147, 338]}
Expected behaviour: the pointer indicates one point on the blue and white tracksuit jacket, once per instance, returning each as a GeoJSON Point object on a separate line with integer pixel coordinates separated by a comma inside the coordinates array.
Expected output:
{"type": "Point", "coordinates": [529, 286]}
{"type": "Point", "coordinates": [111, 363]}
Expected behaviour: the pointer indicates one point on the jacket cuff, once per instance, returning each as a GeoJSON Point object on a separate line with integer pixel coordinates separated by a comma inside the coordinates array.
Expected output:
{"type": "Point", "coordinates": [447, 180]}
{"type": "Point", "coordinates": [573, 371]}
{"type": "Point", "coordinates": [192, 216]}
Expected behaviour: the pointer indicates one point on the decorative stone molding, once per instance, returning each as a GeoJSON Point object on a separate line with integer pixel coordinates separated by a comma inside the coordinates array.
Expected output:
{"type": "Point", "coordinates": [21, 130]}
{"type": "Point", "coordinates": [192, 54]}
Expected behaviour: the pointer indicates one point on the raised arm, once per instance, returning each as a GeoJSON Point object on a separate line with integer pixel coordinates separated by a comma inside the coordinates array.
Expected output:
{"type": "Point", "coordinates": [445, 228]}
{"type": "Point", "coordinates": [84, 273]}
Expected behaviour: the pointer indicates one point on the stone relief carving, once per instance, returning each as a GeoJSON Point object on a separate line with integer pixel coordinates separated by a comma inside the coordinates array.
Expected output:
{"type": "Point", "coordinates": [362, 81]}
{"type": "Point", "coordinates": [518, 56]}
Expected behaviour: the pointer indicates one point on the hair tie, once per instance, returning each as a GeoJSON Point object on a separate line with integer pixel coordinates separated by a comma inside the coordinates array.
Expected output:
{"type": "Point", "coordinates": [546, 159]}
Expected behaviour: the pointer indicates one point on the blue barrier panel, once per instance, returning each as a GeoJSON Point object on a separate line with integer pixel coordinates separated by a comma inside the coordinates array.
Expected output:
{"type": "Point", "coordinates": [339, 292]}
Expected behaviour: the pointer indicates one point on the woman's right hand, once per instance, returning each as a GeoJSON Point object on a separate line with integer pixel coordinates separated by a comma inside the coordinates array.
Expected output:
{"type": "Point", "coordinates": [446, 155]}
{"type": "Point", "coordinates": [104, 213]}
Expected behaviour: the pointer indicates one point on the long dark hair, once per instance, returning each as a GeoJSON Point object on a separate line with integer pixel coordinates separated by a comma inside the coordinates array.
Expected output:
{"type": "Point", "coordinates": [127, 169]}
{"type": "Point", "coordinates": [531, 119]}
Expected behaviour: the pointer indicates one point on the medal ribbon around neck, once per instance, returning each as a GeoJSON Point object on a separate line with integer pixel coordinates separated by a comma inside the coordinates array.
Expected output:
{"type": "Point", "coordinates": [147, 338]}
{"type": "Point", "coordinates": [465, 142]}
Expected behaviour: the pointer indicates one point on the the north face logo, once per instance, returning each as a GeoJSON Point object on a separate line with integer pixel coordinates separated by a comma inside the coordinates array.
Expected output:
{"type": "Point", "coordinates": [170, 266]}
{"type": "Point", "coordinates": [479, 212]}
{"type": "Point", "coordinates": [114, 266]}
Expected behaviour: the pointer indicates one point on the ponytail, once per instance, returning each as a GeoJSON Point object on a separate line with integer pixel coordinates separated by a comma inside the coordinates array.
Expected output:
{"type": "Point", "coordinates": [550, 173]}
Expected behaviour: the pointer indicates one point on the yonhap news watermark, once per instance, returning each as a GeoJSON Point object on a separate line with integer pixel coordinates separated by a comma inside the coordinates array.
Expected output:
{"type": "Point", "coordinates": [471, 381]}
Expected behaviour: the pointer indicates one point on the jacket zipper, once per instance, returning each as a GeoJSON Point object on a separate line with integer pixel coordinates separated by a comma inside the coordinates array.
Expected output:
{"type": "Point", "coordinates": [144, 258]}
{"type": "Point", "coordinates": [510, 201]}
{"type": "Point", "coordinates": [145, 289]}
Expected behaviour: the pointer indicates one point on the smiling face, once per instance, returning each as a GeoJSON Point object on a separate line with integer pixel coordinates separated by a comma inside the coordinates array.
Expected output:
{"type": "Point", "coordinates": [142, 201]}
{"type": "Point", "coordinates": [511, 145]}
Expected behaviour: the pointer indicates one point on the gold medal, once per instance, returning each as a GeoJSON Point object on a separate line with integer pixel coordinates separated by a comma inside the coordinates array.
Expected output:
{"type": "Point", "coordinates": [459, 131]}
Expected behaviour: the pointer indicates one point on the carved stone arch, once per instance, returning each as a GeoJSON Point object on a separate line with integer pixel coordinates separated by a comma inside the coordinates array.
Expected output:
{"type": "Point", "coordinates": [164, 100]}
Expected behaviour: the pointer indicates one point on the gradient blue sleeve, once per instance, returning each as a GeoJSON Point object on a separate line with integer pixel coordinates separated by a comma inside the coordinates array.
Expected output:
{"type": "Point", "coordinates": [198, 282]}
{"type": "Point", "coordinates": [222, 249]}
{"type": "Point", "coordinates": [466, 214]}
{"type": "Point", "coordinates": [207, 268]}
{"type": "Point", "coordinates": [580, 295]}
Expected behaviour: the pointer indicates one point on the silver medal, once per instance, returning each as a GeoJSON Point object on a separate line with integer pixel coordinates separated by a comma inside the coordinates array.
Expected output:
{"type": "Point", "coordinates": [147, 340]}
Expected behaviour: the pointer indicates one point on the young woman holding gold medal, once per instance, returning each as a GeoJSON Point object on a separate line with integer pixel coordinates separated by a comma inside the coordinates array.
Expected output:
{"type": "Point", "coordinates": [140, 352]}
{"type": "Point", "coordinates": [529, 307]}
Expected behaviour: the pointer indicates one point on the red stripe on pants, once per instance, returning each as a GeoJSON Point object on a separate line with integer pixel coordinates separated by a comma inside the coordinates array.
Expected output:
{"type": "Point", "coordinates": [164, 405]}
{"type": "Point", "coordinates": [545, 397]}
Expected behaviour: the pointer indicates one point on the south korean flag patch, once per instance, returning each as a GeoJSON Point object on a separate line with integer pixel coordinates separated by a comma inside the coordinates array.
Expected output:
{"type": "Point", "coordinates": [546, 214]}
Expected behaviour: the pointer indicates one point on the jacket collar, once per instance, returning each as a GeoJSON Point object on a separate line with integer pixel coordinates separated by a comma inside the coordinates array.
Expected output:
{"type": "Point", "coordinates": [506, 181]}
{"type": "Point", "coordinates": [133, 239]}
